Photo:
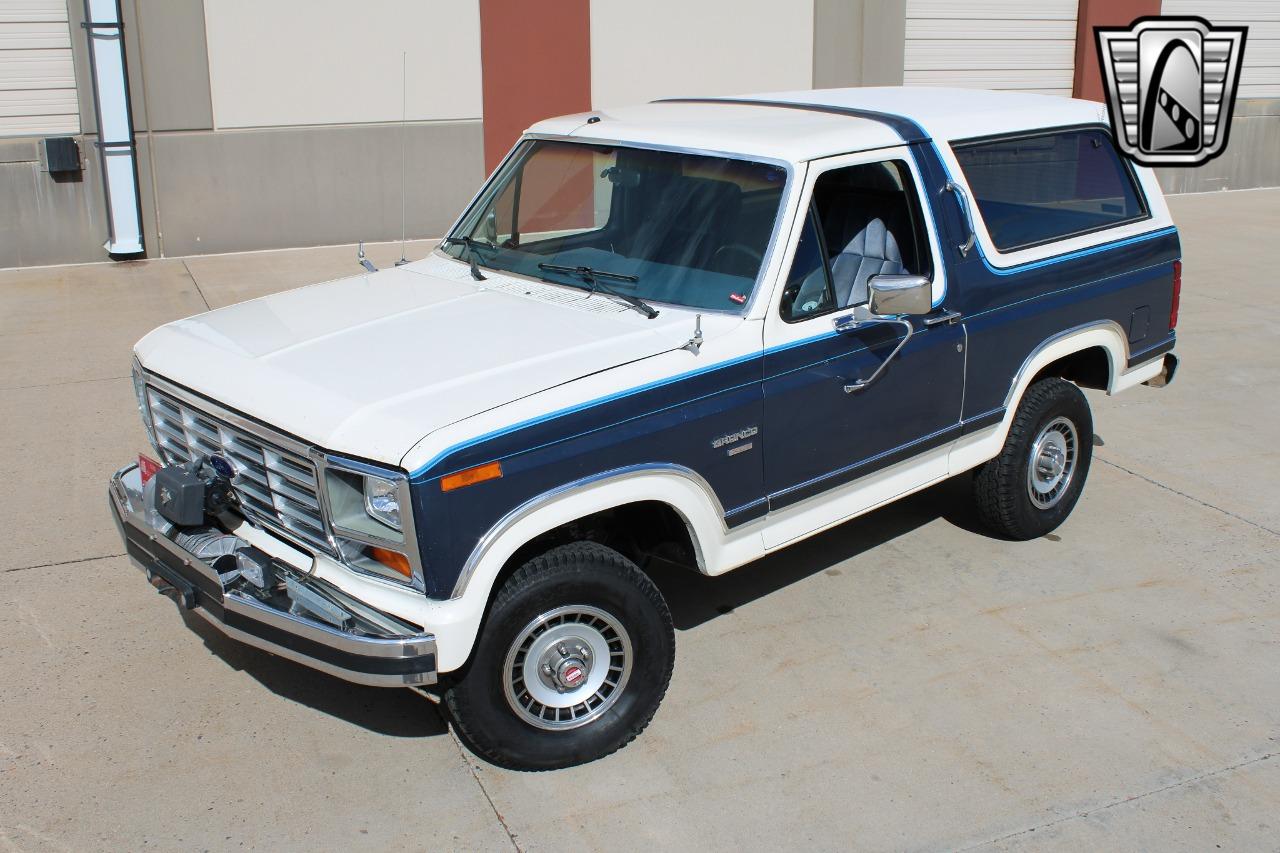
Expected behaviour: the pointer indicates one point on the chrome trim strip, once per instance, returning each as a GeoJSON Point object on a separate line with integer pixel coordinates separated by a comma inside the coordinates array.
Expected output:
{"type": "Point", "coordinates": [1048, 342]}
{"type": "Point", "coordinates": [216, 409]}
{"type": "Point", "coordinates": [615, 475]}
{"type": "Point", "coordinates": [373, 647]}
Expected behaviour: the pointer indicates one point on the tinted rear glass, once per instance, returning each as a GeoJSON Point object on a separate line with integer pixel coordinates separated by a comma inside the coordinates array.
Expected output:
{"type": "Point", "coordinates": [1050, 186]}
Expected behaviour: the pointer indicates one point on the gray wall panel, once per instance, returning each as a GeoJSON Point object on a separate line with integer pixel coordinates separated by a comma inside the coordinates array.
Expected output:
{"type": "Point", "coordinates": [231, 190]}
{"type": "Point", "coordinates": [1252, 158]}
{"type": "Point", "coordinates": [858, 42]}
{"type": "Point", "coordinates": [43, 221]}
{"type": "Point", "coordinates": [884, 39]}
{"type": "Point", "coordinates": [837, 43]}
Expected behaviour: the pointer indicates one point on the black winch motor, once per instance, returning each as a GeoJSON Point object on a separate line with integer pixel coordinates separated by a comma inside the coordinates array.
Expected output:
{"type": "Point", "coordinates": [185, 494]}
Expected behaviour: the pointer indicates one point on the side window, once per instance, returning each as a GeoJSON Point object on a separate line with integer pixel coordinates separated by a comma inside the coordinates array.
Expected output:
{"type": "Point", "coordinates": [864, 220]}
{"type": "Point", "coordinates": [808, 290]}
{"type": "Point", "coordinates": [1039, 188]}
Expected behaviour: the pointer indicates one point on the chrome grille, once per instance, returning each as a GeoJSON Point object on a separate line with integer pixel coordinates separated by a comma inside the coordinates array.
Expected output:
{"type": "Point", "coordinates": [275, 486]}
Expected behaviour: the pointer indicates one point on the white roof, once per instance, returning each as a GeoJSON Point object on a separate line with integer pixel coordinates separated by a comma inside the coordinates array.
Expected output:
{"type": "Point", "coordinates": [794, 135]}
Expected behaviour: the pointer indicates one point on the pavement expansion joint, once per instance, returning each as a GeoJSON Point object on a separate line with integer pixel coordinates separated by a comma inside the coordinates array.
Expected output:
{"type": "Point", "coordinates": [1199, 777]}
{"type": "Point", "coordinates": [62, 563]}
{"type": "Point", "coordinates": [1193, 498]}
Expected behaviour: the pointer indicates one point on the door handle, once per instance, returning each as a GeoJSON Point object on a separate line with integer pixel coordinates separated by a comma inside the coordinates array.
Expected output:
{"type": "Point", "coordinates": [938, 319]}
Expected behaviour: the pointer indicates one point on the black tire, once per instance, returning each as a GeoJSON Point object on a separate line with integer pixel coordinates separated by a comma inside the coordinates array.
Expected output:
{"type": "Point", "coordinates": [593, 579]}
{"type": "Point", "coordinates": [1002, 487]}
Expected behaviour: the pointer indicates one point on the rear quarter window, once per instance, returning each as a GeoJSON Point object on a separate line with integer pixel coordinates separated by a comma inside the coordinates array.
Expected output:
{"type": "Point", "coordinates": [1037, 188]}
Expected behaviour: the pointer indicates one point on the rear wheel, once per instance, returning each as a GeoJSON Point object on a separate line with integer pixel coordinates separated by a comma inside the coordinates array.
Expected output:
{"type": "Point", "coordinates": [1032, 486]}
{"type": "Point", "coordinates": [571, 665]}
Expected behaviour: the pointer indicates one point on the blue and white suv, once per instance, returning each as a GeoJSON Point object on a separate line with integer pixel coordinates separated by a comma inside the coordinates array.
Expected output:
{"type": "Point", "coordinates": [689, 332]}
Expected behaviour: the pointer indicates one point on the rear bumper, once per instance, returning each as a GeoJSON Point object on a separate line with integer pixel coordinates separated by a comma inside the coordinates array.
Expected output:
{"type": "Point", "coordinates": [1168, 367]}
{"type": "Point", "coordinates": [379, 660]}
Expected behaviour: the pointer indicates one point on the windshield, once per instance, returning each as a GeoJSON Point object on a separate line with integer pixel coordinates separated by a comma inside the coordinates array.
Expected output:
{"type": "Point", "coordinates": [663, 226]}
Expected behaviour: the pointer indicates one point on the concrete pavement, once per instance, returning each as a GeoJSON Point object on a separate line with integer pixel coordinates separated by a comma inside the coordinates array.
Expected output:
{"type": "Point", "coordinates": [901, 682]}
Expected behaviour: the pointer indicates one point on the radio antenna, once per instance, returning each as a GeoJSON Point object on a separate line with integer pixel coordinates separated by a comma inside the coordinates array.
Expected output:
{"type": "Point", "coordinates": [404, 130]}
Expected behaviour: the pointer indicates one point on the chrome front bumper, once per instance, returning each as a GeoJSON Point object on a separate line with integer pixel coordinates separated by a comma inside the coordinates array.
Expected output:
{"type": "Point", "coordinates": [390, 660]}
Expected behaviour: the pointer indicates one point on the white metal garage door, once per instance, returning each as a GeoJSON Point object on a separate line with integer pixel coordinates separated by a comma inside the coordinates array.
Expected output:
{"type": "Point", "coordinates": [37, 80]}
{"type": "Point", "coordinates": [1260, 74]}
{"type": "Point", "coordinates": [1027, 45]}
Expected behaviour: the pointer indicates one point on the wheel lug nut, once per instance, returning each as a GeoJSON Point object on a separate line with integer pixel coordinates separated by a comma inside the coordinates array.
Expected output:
{"type": "Point", "coordinates": [564, 653]}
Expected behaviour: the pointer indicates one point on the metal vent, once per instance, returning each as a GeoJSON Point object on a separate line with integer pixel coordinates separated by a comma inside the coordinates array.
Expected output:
{"type": "Point", "coordinates": [276, 487]}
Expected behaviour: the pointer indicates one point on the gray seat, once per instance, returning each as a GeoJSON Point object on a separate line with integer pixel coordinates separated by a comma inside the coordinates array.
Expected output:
{"type": "Point", "coordinates": [872, 251]}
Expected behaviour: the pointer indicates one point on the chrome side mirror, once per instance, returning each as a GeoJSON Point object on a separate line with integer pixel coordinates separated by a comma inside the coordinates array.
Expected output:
{"type": "Point", "coordinates": [900, 295]}
{"type": "Point", "coordinates": [491, 227]}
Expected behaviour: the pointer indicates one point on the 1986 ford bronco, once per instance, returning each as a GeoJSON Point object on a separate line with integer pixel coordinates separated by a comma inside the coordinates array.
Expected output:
{"type": "Point", "coordinates": [693, 331]}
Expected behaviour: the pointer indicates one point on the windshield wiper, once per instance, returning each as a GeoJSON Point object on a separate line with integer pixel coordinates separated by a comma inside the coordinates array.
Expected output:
{"type": "Point", "coordinates": [471, 244]}
{"type": "Point", "coordinates": [592, 278]}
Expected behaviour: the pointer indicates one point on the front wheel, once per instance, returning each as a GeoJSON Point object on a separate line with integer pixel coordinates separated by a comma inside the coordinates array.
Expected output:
{"type": "Point", "coordinates": [1032, 486]}
{"type": "Point", "coordinates": [571, 665]}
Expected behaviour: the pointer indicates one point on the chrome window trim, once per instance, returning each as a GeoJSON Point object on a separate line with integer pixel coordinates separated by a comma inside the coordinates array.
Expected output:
{"type": "Point", "coordinates": [322, 461]}
{"type": "Point", "coordinates": [617, 474]}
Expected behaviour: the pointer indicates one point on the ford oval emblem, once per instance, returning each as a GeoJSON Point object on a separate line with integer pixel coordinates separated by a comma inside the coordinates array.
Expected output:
{"type": "Point", "coordinates": [222, 466]}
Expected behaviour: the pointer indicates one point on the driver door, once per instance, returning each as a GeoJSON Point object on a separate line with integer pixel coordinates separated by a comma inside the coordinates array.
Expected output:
{"type": "Point", "coordinates": [864, 215]}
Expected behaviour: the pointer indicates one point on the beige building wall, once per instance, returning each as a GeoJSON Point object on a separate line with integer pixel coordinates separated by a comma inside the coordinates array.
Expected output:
{"type": "Point", "coordinates": [304, 62]}
{"type": "Point", "coordinates": [670, 48]}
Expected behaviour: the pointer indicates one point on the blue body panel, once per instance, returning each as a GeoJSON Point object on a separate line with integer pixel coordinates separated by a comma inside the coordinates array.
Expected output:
{"type": "Point", "coordinates": [813, 436]}
{"type": "Point", "coordinates": [819, 436]}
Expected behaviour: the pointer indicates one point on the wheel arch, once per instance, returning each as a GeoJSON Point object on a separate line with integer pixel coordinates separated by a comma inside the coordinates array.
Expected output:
{"type": "Point", "coordinates": [1075, 354]}
{"type": "Point", "coordinates": [1079, 351]}
{"type": "Point", "coordinates": [681, 490]}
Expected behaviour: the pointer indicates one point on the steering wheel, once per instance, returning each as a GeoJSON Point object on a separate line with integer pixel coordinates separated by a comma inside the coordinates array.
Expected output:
{"type": "Point", "coordinates": [742, 250]}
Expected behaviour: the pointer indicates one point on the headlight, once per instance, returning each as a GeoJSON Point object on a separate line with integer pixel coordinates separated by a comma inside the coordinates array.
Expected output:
{"type": "Point", "coordinates": [140, 390]}
{"type": "Point", "coordinates": [365, 503]}
{"type": "Point", "coordinates": [368, 527]}
{"type": "Point", "coordinates": [382, 500]}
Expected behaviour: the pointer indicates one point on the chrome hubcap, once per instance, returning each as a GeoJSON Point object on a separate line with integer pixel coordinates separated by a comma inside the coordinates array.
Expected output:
{"type": "Point", "coordinates": [567, 667]}
{"type": "Point", "coordinates": [1052, 464]}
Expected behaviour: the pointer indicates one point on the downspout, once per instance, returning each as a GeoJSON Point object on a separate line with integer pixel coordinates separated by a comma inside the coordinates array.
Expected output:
{"type": "Point", "coordinates": [117, 150]}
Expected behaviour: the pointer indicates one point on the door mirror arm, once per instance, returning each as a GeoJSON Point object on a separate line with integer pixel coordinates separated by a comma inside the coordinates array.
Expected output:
{"type": "Point", "coordinates": [860, 319]}
{"type": "Point", "coordinates": [894, 300]}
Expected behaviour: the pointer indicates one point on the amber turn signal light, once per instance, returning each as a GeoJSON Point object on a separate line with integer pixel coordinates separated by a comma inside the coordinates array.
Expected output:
{"type": "Point", "coordinates": [393, 560]}
{"type": "Point", "coordinates": [471, 476]}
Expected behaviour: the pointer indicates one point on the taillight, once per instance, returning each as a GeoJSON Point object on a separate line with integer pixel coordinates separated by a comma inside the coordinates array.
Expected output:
{"type": "Point", "coordinates": [1177, 295]}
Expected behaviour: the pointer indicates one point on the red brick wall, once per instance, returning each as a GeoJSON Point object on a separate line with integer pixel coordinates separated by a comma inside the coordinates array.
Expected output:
{"type": "Point", "coordinates": [1101, 13]}
{"type": "Point", "coordinates": [535, 58]}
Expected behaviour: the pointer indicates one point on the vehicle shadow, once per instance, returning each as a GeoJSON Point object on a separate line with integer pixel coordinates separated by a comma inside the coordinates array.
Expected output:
{"type": "Point", "coordinates": [397, 713]}
{"type": "Point", "coordinates": [695, 599]}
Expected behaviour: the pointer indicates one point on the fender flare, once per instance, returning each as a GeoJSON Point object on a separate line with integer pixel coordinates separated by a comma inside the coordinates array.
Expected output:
{"type": "Point", "coordinates": [680, 488]}
{"type": "Point", "coordinates": [983, 445]}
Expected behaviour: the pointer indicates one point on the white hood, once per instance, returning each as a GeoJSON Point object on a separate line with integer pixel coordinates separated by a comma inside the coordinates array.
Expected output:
{"type": "Point", "coordinates": [371, 364]}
